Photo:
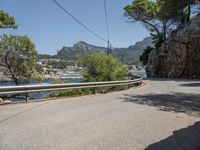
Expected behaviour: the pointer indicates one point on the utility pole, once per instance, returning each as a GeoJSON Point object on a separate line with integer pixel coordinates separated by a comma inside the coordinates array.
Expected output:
{"type": "Point", "coordinates": [108, 47]}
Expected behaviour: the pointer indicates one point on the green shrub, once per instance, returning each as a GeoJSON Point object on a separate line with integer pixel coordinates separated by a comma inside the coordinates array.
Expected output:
{"type": "Point", "coordinates": [145, 56]}
{"type": "Point", "coordinates": [75, 92]}
{"type": "Point", "coordinates": [102, 67]}
{"type": "Point", "coordinates": [63, 93]}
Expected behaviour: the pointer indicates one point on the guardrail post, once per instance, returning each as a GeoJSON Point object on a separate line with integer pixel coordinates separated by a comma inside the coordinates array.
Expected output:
{"type": "Point", "coordinates": [95, 90]}
{"type": "Point", "coordinates": [26, 97]}
{"type": "Point", "coordinates": [129, 85]}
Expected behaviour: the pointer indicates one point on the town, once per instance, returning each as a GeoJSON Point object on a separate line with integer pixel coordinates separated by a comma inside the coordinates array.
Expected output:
{"type": "Point", "coordinates": [72, 71]}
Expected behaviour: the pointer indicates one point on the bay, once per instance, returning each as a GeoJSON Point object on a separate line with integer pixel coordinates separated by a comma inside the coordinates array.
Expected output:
{"type": "Point", "coordinates": [36, 95]}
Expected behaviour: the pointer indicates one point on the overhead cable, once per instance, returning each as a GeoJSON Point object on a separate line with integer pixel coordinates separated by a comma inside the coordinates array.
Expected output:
{"type": "Point", "coordinates": [83, 25]}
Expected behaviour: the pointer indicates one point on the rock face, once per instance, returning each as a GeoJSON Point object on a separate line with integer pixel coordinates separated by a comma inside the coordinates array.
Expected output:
{"type": "Point", "coordinates": [179, 55]}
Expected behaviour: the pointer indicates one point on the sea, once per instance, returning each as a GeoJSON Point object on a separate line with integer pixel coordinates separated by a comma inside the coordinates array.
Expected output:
{"type": "Point", "coordinates": [40, 95]}
{"type": "Point", "coordinates": [32, 96]}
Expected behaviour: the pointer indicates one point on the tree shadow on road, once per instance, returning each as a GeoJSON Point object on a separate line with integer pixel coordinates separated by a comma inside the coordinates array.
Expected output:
{"type": "Point", "coordinates": [183, 139]}
{"type": "Point", "coordinates": [191, 85]}
{"type": "Point", "coordinates": [176, 80]}
{"type": "Point", "coordinates": [176, 102]}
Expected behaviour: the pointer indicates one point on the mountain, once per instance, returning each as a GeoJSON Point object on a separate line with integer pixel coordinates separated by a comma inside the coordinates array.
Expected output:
{"type": "Point", "coordinates": [129, 55]}
{"type": "Point", "coordinates": [79, 49]}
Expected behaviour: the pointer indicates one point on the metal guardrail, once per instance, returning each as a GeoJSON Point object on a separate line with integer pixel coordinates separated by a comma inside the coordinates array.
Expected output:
{"type": "Point", "coordinates": [69, 86]}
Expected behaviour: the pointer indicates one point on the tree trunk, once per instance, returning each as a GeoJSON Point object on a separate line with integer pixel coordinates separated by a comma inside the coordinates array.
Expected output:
{"type": "Point", "coordinates": [164, 30]}
{"type": "Point", "coordinates": [10, 70]}
{"type": "Point", "coordinates": [189, 12]}
{"type": "Point", "coordinates": [153, 26]}
{"type": "Point", "coordinates": [16, 80]}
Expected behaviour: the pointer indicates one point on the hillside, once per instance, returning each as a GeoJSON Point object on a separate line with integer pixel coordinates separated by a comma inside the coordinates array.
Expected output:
{"type": "Point", "coordinates": [129, 55]}
{"type": "Point", "coordinates": [79, 49]}
{"type": "Point", "coordinates": [132, 53]}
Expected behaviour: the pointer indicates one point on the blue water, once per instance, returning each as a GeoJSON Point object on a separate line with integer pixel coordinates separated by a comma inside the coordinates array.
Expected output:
{"type": "Point", "coordinates": [37, 95]}
{"type": "Point", "coordinates": [46, 81]}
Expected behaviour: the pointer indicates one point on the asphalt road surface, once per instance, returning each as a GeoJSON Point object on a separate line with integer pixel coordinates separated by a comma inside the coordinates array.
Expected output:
{"type": "Point", "coordinates": [161, 115]}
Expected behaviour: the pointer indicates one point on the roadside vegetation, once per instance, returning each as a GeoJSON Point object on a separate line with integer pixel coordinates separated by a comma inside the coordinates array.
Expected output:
{"type": "Point", "coordinates": [103, 67]}
{"type": "Point", "coordinates": [97, 67]}
{"type": "Point", "coordinates": [17, 53]}
{"type": "Point", "coordinates": [86, 91]}
{"type": "Point", "coordinates": [145, 56]}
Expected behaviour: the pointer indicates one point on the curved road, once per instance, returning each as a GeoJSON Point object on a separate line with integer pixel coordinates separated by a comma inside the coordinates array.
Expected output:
{"type": "Point", "coordinates": [161, 115]}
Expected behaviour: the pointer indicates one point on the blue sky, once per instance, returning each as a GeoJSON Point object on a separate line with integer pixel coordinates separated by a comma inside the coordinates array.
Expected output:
{"type": "Point", "coordinates": [51, 29]}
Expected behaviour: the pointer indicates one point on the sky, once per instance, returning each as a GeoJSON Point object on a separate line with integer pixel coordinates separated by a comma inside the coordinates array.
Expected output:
{"type": "Point", "coordinates": [51, 29]}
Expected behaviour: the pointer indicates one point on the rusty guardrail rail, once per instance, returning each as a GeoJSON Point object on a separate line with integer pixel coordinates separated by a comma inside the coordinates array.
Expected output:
{"type": "Point", "coordinates": [25, 89]}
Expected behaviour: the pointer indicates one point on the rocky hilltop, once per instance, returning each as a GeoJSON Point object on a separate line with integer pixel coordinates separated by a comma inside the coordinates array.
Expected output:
{"type": "Point", "coordinates": [88, 47]}
{"type": "Point", "coordinates": [78, 49]}
{"type": "Point", "coordinates": [128, 54]}
{"type": "Point", "coordinates": [179, 55]}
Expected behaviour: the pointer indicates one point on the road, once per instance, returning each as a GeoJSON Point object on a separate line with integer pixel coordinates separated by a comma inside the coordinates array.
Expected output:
{"type": "Point", "coordinates": [163, 114]}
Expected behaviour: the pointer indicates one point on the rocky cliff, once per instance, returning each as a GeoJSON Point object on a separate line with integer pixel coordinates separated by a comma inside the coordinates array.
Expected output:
{"type": "Point", "coordinates": [179, 55]}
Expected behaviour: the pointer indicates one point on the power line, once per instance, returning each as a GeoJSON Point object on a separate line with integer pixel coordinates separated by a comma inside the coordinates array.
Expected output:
{"type": "Point", "coordinates": [84, 26]}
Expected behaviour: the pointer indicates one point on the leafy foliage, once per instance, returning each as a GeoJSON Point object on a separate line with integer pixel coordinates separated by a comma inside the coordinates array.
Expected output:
{"type": "Point", "coordinates": [145, 56]}
{"type": "Point", "coordinates": [18, 55]}
{"type": "Point", "coordinates": [74, 92]}
{"type": "Point", "coordinates": [160, 17]}
{"type": "Point", "coordinates": [178, 10]}
{"type": "Point", "coordinates": [144, 11]}
{"type": "Point", "coordinates": [102, 67]}
{"type": "Point", "coordinates": [7, 21]}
